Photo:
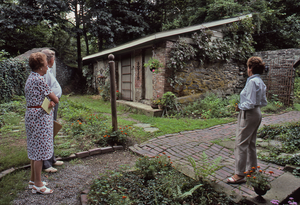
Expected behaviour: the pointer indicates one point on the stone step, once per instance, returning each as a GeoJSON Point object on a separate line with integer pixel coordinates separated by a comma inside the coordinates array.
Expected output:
{"type": "Point", "coordinates": [141, 108]}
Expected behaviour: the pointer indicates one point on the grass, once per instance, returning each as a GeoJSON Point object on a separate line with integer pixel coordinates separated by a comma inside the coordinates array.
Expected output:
{"type": "Point", "coordinates": [165, 125]}
{"type": "Point", "coordinates": [13, 151]}
{"type": "Point", "coordinates": [11, 185]}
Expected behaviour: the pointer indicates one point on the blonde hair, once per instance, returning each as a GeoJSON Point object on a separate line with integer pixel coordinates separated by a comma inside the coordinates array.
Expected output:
{"type": "Point", "coordinates": [49, 53]}
{"type": "Point", "coordinates": [37, 60]}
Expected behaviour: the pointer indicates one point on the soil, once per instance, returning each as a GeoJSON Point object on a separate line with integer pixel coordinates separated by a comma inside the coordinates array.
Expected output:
{"type": "Point", "coordinates": [74, 177]}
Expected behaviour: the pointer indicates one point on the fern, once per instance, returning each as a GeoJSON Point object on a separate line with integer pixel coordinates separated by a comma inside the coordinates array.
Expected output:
{"type": "Point", "coordinates": [206, 168]}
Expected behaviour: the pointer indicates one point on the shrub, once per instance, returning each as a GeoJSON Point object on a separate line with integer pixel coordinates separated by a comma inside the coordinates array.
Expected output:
{"type": "Point", "coordinates": [168, 187]}
{"type": "Point", "coordinates": [212, 106]}
{"type": "Point", "coordinates": [105, 94]}
{"type": "Point", "coordinates": [13, 76]}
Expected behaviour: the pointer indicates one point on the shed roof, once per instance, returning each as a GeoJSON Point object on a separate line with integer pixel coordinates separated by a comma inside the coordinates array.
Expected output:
{"type": "Point", "coordinates": [160, 35]}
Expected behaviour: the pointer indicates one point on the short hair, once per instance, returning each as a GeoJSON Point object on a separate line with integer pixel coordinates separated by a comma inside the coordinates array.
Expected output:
{"type": "Point", "coordinates": [49, 53]}
{"type": "Point", "coordinates": [256, 64]}
{"type": "Point", "coordinates": [37, 60]}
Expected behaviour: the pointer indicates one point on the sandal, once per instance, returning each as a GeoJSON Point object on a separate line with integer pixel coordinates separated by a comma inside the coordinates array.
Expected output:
{"type": "Point", "coordinates": [41, 190]}
{"type": "Point", "coordinates": [233, 180]}
{"type": "Point", "coordinates": [31, 183]}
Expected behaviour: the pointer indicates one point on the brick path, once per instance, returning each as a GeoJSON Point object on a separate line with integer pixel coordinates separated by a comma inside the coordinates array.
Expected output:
{"type": "Point", "coordinates": [193, 143]}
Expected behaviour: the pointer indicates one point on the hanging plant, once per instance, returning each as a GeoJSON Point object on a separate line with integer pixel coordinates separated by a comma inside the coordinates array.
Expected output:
{"type": "Point", "coordinates": [153, 64]}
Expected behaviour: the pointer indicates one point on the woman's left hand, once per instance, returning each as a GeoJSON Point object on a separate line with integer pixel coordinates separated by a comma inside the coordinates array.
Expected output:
{"type": "Point", "coordinates": [237, 108]}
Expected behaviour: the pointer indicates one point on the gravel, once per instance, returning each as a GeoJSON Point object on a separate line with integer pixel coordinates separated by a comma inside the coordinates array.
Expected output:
{"type": "Point", "coordinates": [74, 177]}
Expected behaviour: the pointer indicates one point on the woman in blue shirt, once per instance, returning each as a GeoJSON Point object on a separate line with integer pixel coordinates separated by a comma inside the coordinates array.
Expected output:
{"type": "Point", "coordinates": [252, 98]}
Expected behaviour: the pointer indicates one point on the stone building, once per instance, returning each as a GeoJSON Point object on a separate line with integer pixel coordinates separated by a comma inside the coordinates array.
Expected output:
{"type": "Point", "coordinates": [69, 78]}
{"type": "Point", "coordinates": [138, 83]}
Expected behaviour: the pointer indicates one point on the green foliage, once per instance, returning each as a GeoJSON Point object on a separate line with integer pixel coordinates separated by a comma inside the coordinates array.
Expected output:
{"type": "Point", "coordinates": [27, 25]}
{"type": "Point", "coordinates": [179, 55]}
{"type": "Point", "coordinates": [259, 179]}
{"type": "Point", "coordinates": [168, 101]}
{"type": "Point", "coordinates": [296, 172]}
{"type": "Point", "coordinates": [3, 55]}
{"type": "Point", "coordinates": [297, 89]}
{"type": "Point", "coordinates": [288, 135]}
{"type": "Point", "coordinates": [211, 107]}
{"type": "Point", "coordinates": [223, 9]}
{"type": "Point", "coordinates": [11, 185]}
{"type": "Point", "coordinates": [150, 166]}
{"type": "Point", "coordinates": [237, 44]}
{"type": "Point", "coordinates": [206, 167]}
{"type": "Point", "coordinates": [82, 123]}
{"type": "Point", "coordinates": [239, 35]}
{"type": "Point", "coordinates": [13, 76]}
{"type": "Point", "coordinates": [105, 94]}
{"type": "Point", "coordinates": [10, 112]}
{"type": "Point", "coordinates": [119, 137]}
{"type": "Point", "coordinates": [168, 187]}
{"type": "Point", "coordinates": [153, 64]}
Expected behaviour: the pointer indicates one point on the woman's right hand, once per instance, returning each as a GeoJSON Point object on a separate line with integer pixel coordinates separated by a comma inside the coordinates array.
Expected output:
{"type": "Point", "coordinates": [52, 104]}
{"type": "Point", "coordinates": [237, 108]}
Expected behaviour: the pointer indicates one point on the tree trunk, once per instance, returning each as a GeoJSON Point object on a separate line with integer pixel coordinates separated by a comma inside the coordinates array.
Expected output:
{"type": "Point", "coordinates": [77, 18]}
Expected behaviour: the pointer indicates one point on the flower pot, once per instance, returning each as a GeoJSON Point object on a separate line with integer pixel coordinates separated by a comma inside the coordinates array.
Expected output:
{"type": "Point", "coordinates": [154, 106]}
{"type": "Point", "coordinates": [160, 107]}
{"type": "Point", "coordinates": [260, 192]}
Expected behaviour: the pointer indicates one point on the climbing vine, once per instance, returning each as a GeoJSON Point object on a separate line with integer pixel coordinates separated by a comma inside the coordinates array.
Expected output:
{"type": "Point", "coordinates": [236, 44]}
{"type": "Point", "coordinates": [13, 76]}
{"type": "Point", "coordinates": [179, 55]}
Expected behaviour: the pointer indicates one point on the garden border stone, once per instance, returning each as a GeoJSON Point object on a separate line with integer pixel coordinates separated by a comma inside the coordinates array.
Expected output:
{"type": "Point", "coordinates": [80, 155]}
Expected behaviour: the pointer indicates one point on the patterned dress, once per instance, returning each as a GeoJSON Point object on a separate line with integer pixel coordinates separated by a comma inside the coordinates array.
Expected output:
{"type": "Point", "coordinates": [38, 123]}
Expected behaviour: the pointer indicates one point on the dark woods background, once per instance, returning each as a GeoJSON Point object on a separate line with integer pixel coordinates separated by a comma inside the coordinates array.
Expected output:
{"type": "Point", "coordinates": [94, 25]}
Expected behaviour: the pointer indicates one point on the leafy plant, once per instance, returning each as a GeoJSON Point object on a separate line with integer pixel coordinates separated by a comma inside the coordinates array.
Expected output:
{"type": "Point", "coordinates": [259, 178]}
{"type": "Point", "coordinates": [150, 166]}
{"type": "Point", "coordinates": [169, 102]}
{"type": "Point", "coordinates": [288, 135]}
{"type": "Point", "coordinates": [211, 106]}
{"type": "Point", "coordinates": [153, 64]}
{"type": "Point", "coordinates": [206, 168]}
{"type": "Point", "coordinates": [13, 76]}
{"type": "Point", "coordinates": [105, 94]}
{"type": "Point", "coordinates": [167, 187]}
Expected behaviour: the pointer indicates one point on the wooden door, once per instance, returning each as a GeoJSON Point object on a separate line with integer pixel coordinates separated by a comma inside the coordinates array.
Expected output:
{"type": "Point", "coordinates": [126, 79]}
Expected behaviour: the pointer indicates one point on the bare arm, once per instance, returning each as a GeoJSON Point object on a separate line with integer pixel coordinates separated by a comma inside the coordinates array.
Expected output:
{"type": "Point", "coordinates": [54, 99]}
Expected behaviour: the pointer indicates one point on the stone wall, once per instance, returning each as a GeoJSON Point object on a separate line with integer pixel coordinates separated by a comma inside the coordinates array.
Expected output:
{"type": "Point", "coordinates": [222, 79]}
{"type": "Point", "coordinates": [278, 55]}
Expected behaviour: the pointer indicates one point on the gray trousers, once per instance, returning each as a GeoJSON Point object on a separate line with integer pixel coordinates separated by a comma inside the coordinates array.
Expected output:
{"type": "Point", "coordinates": [48, 163]}
{"type": "Point", "coordinates": [245, 141]}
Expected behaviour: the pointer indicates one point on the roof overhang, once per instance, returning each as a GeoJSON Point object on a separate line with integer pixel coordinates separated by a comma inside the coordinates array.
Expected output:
{"type": "Point", "coordinates": [148, 40]}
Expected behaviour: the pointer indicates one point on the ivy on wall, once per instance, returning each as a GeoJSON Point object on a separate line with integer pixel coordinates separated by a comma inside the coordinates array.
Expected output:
{"type": "Point", "coordinates": [13, 76]}
{"type": "Point", "coordinates": [237, 44]}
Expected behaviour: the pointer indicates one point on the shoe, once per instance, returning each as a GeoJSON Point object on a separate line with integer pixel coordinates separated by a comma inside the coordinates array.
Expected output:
{"type": "Point", "coordinates": [31, 183]}
{"type": "Point", "coordinates": [41, 190]}
{"type": "Point", "coordinates": [233, 180]}
{"type": "Point", "coordinates": [50, 169]}
{"type": "Point", "coordinates": [58, 163]}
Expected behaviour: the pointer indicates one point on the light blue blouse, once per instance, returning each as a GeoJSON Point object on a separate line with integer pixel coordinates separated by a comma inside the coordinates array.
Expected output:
{"type": "Point", "coordinates": [52, 82]}
{"type": "Point", "coordinates": [253, 94]}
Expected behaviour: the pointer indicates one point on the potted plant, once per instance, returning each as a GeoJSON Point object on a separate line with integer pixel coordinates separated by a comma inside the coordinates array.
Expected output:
{"type": "Point", "coordinates": [260, 181]}
{"type": "Point", "coordinates": [118, 95]}
{"type": "Point", "coordinates": [168, 101]}
{"type": "Point", "coordinates": [153, 64]}
{"type": "Point", "coordinates": [155, 103]}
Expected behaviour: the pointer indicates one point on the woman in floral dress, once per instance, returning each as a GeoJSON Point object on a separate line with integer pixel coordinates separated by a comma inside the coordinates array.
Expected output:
{"type": "Point", "coordinates": [38, 123]}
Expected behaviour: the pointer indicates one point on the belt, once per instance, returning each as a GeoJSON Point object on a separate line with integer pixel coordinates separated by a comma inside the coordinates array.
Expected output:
{"type": "Point", "coordinates": [34, 106]}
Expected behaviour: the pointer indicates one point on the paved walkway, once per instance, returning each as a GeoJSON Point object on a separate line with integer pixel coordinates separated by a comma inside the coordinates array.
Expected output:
{"type": "Point", "coordinates": [193, 143]}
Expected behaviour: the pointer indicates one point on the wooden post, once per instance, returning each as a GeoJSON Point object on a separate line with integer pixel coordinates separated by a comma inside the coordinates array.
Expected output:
{"type": "Point", "coordinates": [111, 63]}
